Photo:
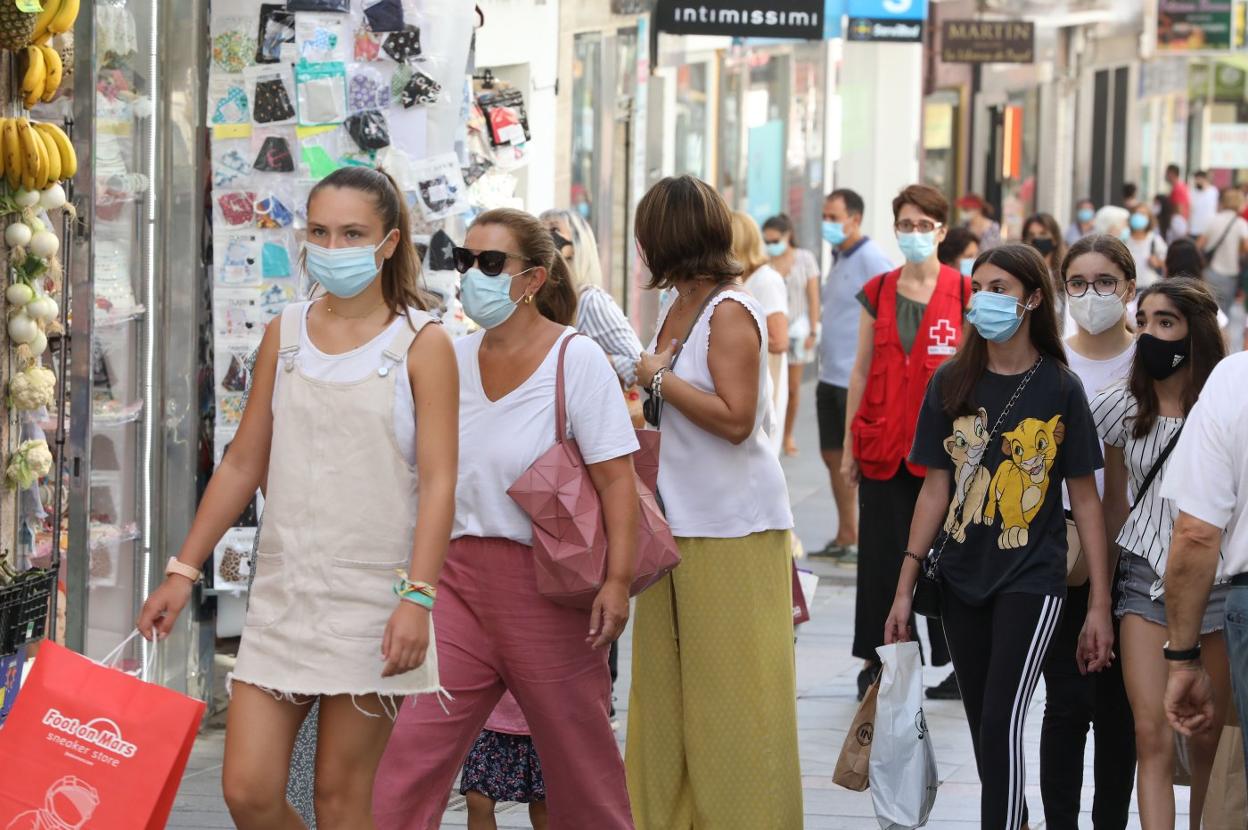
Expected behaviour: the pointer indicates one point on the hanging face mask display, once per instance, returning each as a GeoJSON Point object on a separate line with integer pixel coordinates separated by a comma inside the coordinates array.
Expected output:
{"type": "Point", "coordinates": [271, 214]}
{"type": "Point", "coordinates": [420, 89]}
{"type": "Point", "coordinates": [368, 89]}
{"type": "Point", "coordinates": [384, 15]}
{"type": "Point", "coordinates": [343, 272]}
{"type": "Point", "coordinates": [274, 156]}
{"type": "Point", "coordinates": [1160, 358]}
{"type": "Point", "coordinates": [995, 316]}
{"type": "Point", "coordinates": [1094, 313]}
{"type": "Point", "coordinates": [227, 100]}
{"type": "Point", "coordinates": [235, 208]}
{"type": "Point", "coordinates": [369, 130]}
{"type": "Point", "coordinates": [233, 44]}
{"type": "Point", "coordinates": [487, 300]}
{"type": "Point", "coordinates": [277, 28]}
{"type": "Point", "coordinates": [230, 162]}
{"type": "Point", "coordinates": [275, 260]}
{"type": "Point", "coordinates": [322, 93]}
{"type": "Point", "coordinates": [271, 100]}
{"type": "Point", "coordinates": [917, 247]}
{"type": "Point", "coordinates": [403, 46]}
{"type": "Point", "coordinates": [236, 259]}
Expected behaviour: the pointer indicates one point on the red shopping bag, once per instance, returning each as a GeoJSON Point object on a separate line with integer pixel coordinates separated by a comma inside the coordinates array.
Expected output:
{"type": "Point", "coordinates": [91, 747]}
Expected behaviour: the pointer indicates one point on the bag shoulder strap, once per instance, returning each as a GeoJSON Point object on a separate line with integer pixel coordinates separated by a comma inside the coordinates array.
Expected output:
{"type": "Point", "coordinates": [1156, 468]}
{"type": "Point", "coordinates": [561, 410]}
{"type": "Point", "coordinates": [1225, 232]}
{"type": "Point", "coordinates": [680, 347]}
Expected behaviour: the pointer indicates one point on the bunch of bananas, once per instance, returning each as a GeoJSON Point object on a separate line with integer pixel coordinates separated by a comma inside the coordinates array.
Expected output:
{"type": "Point", "coordinates": [57, 16]}
{"type": "Point", "coordinates": [42, 75]}
{"type": "Point", "coordinates": [34, 155]}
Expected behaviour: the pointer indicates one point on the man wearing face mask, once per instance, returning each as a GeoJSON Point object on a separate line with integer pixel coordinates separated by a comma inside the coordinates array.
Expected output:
{"type": "Point", "coordinates": [910, 323]}
{"type": "Point", "coordinates": [855, 259]}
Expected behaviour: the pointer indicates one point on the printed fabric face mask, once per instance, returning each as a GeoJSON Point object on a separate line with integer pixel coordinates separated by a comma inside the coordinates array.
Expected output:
{"type": "Point", "coordinates": [274, 156]}
{"type": "Point", "coordinates": [995, 316]}
{"type": "Point", "coordinates": [343, 272]}
{"type": "Point", "coordinates": [917, 247]}
{"type": "Point", "coordinates": [272, 102]}
{"type": "Point", "coordinates": [384, 15]}
{"type": "Point", "coordinates": [487, 300]}
{"type": "Point", "coordinates": [403, 45]}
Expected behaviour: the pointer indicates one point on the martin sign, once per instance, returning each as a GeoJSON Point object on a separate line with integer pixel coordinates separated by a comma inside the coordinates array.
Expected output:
{"type": "Point", "coordinates": [801, 19]}
{"type": "Point", "coordinates": [987, 41]}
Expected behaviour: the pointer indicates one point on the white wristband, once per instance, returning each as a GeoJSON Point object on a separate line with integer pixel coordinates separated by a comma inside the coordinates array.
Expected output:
{"type": "Point", "coordinates": [182, 569]}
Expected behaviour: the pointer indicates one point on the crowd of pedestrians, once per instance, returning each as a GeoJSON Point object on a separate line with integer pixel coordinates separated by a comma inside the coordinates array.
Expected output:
{"type": "Point", "coordinates": [1048, 431]}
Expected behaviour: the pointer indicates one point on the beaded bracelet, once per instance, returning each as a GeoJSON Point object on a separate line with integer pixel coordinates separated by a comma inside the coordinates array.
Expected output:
{"type": "Point", "coordinates": [920, 559]}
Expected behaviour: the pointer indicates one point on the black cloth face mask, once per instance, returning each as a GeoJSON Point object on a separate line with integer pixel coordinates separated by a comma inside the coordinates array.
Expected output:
{"type": "Point", "coordinates": [1043, 244]}
{"type": "Point", "coordinates": [1160, 358]}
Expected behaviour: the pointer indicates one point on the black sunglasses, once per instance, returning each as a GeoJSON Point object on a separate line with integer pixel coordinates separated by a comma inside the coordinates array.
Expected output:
{"type": "Point", "coordinates": [491, 263]}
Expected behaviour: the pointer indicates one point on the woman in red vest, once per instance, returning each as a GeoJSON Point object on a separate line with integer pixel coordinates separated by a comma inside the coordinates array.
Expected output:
{"type": "Point", "coordinates": [911, 322]}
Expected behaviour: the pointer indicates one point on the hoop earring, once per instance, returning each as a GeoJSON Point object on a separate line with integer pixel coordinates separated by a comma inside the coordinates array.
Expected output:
{"type": "Point", "coordinates": [528, 299]}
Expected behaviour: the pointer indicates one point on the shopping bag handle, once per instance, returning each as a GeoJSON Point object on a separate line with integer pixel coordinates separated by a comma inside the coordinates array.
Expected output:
{"type": "Point", "coordinates": [111, 659]}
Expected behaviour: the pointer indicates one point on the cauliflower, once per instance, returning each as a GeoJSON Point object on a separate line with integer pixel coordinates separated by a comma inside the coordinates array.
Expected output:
{"type": "Point", "coordinates": [29, 463]}
{"type": "Point", "coordinates": [32, 389]}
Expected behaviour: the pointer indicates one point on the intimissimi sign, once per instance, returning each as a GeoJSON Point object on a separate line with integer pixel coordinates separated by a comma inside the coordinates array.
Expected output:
{"type": "Point", "coordinates": [742, 18]}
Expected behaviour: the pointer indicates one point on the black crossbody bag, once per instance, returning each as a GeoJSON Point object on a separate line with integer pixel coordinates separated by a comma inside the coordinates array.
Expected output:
{"type": "Point", "coordinates": [928, 590]}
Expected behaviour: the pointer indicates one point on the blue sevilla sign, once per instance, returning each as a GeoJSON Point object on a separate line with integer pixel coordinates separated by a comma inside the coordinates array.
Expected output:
{"type": "Point", "coordinates": [888, 9]}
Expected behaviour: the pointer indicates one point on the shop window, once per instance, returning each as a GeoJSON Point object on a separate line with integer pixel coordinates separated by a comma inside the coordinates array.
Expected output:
{"type": "Point", "coordinates": [586, 80]}
{"type": "Point", "coordinates": [692, 119]}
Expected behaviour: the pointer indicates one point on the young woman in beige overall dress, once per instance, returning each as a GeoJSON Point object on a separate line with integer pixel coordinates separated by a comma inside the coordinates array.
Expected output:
{"type": "Point", "coordinates": [355, 492]}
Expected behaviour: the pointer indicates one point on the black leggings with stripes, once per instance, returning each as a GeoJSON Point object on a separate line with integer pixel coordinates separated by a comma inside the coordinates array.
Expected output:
{"type": "Point", "coordinates": [998, 652]}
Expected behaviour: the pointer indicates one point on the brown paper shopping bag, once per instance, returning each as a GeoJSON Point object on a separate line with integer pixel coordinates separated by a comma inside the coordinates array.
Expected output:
{"type": "Point", "coordinates": [852, 766]}
{"type": "Point", "coordinates": [1226, 803]}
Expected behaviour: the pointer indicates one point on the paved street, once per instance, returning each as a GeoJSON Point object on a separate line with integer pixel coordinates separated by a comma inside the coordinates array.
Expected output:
{"type": "Point", "coordinates": [826, 687]}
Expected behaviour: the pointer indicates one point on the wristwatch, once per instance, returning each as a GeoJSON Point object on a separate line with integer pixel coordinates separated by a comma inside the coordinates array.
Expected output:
{"type": "Point", "coordinates": [1181, 655]}
{"type": "Point", "coordinates": [182, 569]}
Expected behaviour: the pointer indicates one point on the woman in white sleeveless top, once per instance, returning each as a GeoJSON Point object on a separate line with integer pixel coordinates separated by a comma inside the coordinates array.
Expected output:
{"type": "Point", "coordinates": [354, 492]}
{"type": "Point", "coordinates": [712, 732]}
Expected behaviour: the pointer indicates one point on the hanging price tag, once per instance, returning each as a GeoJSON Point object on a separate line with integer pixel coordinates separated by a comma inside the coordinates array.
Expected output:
{"type": "Point", "coordinates": [29, 6]}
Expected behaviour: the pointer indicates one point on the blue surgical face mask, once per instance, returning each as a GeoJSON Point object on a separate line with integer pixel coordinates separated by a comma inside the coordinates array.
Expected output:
{"type": "Point", "coordinates": [1138, 221]}
{"type": "Point", "coordinates": [833, 232]}
{"type": "Point", "coordinates": [1085, 215]}
{"type": "Point", "coordinates": [343, 272]}
{"type": "Point", "coordinates": [917, 247]}
{"type": "Point", "coordinates": [487, 300]}
{"type": "Point", "coordinates": [775, 249]}
{"type": "Point", "coordinates": [1125, 234]}
{"type": "Point", "coordinates": [966, 265]}
{"type": "Point", "coordinates": [995, 316]}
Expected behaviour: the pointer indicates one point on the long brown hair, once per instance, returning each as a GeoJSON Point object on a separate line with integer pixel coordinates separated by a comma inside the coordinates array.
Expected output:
{"type": "Point", "coordinates": [1195, 301]}
{"type": "Point", "coordinates": [556, 299]}
{"type": "Point", "coordinates": [1110, 247]}
{"type": "Point", "coordinates": [400, 274]}
{"type": "Point", "coordinates": [1025, 264]}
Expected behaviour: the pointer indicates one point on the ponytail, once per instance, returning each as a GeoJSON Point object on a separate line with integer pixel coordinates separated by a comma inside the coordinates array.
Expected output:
{"type": "Point", "coordinates": [401, 272]}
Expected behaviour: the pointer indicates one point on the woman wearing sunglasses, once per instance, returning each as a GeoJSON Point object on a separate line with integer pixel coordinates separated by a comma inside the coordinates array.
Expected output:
{"type": "Point", "coordinates": [712, 732]}
{"type": "Point", "coordinates": [495, 631]}
{"type": "Point", "coordinates": [909, 324]}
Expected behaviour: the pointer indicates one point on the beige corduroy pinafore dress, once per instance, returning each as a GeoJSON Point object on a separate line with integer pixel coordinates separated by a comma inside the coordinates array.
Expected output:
{"type": "Point", "coordinates": [339, 520]}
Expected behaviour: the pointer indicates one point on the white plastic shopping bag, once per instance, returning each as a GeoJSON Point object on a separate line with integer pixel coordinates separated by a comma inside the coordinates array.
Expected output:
{"type": "Point", "coordinates": [903, 764]}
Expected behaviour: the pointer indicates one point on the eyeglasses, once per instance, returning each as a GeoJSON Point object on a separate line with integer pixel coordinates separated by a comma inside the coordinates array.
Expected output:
{"type": "Point", "coordinates": [922, 226]}
{"type": "Point", "coordinates": [491, 263]}
{"type": "Point", "coordinates": [1103, 286]}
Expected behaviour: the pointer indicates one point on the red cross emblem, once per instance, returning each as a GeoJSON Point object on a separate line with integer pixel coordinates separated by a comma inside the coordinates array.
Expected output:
{"type": "Point", "coordinates": [942, 335]}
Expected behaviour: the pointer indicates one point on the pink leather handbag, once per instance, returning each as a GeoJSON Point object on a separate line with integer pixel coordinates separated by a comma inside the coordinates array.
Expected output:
{"type": "Point", "coordinates": [569, 537]}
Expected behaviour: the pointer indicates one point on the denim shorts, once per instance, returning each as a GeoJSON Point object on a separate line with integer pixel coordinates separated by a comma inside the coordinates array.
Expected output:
{"type": "Point", "coordinates": [1134, 582]}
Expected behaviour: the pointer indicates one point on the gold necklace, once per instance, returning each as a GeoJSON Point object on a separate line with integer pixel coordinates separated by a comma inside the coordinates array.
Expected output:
{"type": "Point", "coordinates": [368, 313]}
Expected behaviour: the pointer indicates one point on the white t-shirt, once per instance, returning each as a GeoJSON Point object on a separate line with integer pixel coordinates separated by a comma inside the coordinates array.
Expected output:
{"type": "Point", "coordinates": [1141, 250]}
{"type": "Point", "coordinates": [1148, 528]}
{"type": "Point", "coordinates": [499, 440]}
{"type": "Point", "coordinates": [1096, 376]}
{"type": "Point", "coordinates": [801, 272]}
{"type": "Point", "coordinates": [1207, 476]}
{"type": "Point", "coordinates": [1204, 207]}
{"type": "Point", "coordinates": [767, 286]}
{"type": "Point", "coordinates": [1225, 259]}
